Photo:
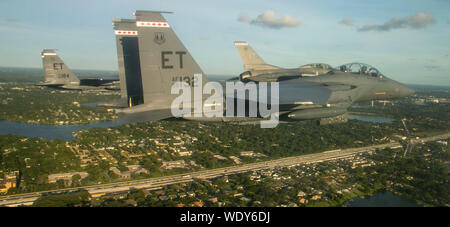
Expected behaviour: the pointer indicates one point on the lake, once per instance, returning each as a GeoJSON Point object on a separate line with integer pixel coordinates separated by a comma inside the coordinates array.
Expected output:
{"type": "Point", "coordinates": [383, 199]}
{"type": "Point", "coordinates": [373, 119]}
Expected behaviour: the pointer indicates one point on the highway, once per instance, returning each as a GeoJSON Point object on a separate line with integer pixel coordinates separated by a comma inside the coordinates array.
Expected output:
{"type": "Point", "coordinates": [157, 183]}
{"type": "Point", "coordinates": [431, 138]}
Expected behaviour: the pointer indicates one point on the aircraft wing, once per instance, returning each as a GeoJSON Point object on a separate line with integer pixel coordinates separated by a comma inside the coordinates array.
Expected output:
{"type": "Point", "coordinates": [97, 82]}
{"type": "Point", "coordinates": [49, 84]}
{"type": "Point", "coordinates": [299, 93]}
{"type": "Point", "coordinates": [293, 92]}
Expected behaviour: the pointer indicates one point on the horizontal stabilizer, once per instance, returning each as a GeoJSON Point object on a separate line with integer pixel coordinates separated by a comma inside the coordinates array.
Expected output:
{"type": "Point", "coordinates": [144, 116]}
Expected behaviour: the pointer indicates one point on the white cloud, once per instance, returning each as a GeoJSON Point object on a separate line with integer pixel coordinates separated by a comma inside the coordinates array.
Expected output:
{"type": "Point", "coordinates": [244, 18]}
{"type": "Point", "coordinates": [9, 21]}
{"type": "Point", "coordinates": [347, 21]}
{"type": "Point", "coordinates": [432, 67]}
{"type": "Point", "coordinates": [416, 21]}
{"type": "Point", "coordinates": [204, 37]}
{"type": "Point", "coordinates": [270, 20]}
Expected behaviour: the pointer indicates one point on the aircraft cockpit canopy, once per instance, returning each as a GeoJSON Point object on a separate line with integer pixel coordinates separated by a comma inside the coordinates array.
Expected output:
{"type": "Point", "coordinates": [361, 68]}
{"type": "Point", "coordinates": [317, 66]}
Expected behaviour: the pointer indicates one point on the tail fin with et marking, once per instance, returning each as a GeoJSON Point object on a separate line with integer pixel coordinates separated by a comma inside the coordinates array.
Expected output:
{"type": "Point", "coordinates": [55, 71]}
{"type": "Point", "coordinates": [164, 60]}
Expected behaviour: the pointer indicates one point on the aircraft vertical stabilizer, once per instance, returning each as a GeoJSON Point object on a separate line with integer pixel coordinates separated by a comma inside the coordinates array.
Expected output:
{"type": "Point", "coordinates": [252, 61]}
{"type": "Point", "coordinates": [164, 59]}
{"type": "Point", "coordinates": [128, 60]}
{"type": "Point", "coordinates": [55, 71]}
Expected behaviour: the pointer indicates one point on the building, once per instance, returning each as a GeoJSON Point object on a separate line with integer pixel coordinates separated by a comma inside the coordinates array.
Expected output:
{"type": "Point", "coordinates": [5, 186]}
{"type": "Point", "coordinates": [53, 178]}
{"type": "Point", "coordinates": [9, 181]}
{"type": "Point", "coordinates": [173, 164]}
{"type": "Point", "coordinates": [235, 159]}
{"type": "Point", "coordinates": [132, 169]}
{"type": "Point", "coordinates": [247, 153]}
{"type": "Point", "coordinates": [125, 174]}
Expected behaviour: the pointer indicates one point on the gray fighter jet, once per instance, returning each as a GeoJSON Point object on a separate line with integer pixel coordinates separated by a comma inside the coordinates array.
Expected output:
{"type": "Point", "coordinates": [58, 75]}
{"type": "Point", "coordinates": [164, 60]}
{"type": "Point", "coordinates": [258, 70]}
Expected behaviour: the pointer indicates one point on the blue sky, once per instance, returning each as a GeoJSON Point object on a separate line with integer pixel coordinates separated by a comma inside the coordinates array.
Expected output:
{"type": "Point", "coordinates": [408, 40]}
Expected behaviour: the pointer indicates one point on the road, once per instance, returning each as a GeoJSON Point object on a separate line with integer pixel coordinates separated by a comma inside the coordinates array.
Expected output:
{"type": "Point", "coordinates": [159, 182]}
{"type": "Point", "coordinates": [431, 138]}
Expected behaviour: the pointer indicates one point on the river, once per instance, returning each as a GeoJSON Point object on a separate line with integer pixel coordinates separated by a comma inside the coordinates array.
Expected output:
{"type": "Point", "coordinates": [65, 131]}
{"type": "Point", "coordinates": [49, 131]}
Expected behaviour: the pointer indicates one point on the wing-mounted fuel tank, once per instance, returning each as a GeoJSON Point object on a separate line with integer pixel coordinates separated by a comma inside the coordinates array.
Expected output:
{"type": "Point", "coordinates": [269, 75]}
{"type": "Point", "coordinates": [315, 113]}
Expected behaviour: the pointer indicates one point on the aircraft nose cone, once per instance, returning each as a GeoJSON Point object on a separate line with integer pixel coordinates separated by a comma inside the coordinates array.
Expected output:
{"type": "Point", "coordinates": [404, 91]}
{"type": "Point", "coordinates": [409, 92]}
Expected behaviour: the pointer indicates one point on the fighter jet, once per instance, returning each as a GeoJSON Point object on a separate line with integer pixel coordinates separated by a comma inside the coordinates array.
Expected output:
{"type": "Point", "coordinates": [58, 75]}
{"type": "Point", "coordinates": [258, 70]}
{"type": "Point", "coordinates": [163, 60]}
